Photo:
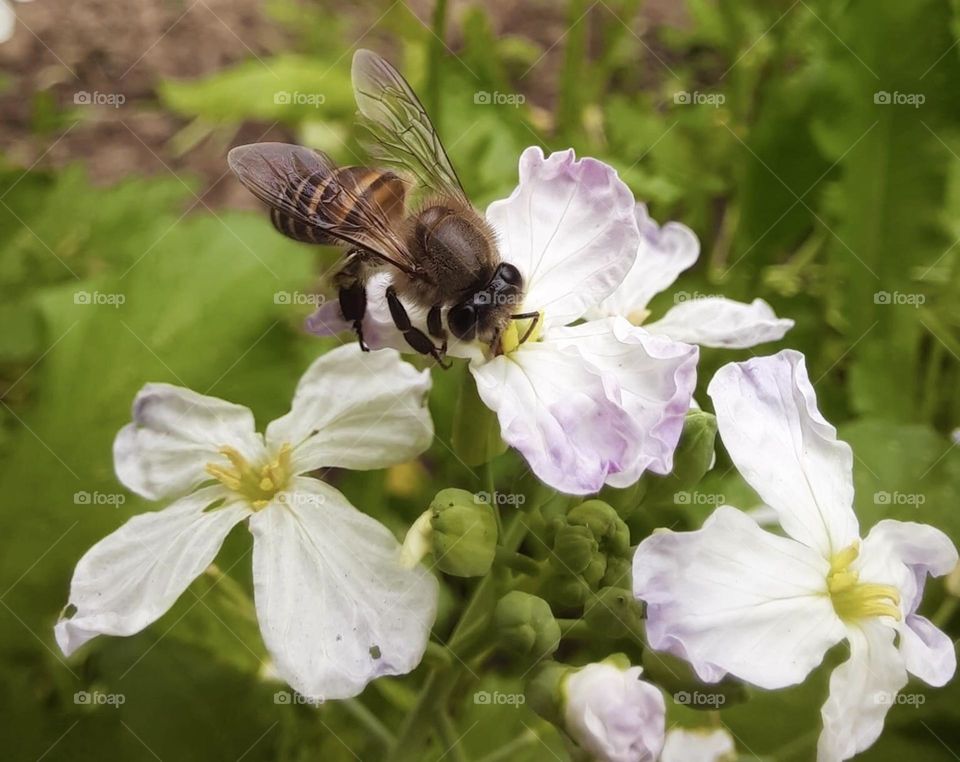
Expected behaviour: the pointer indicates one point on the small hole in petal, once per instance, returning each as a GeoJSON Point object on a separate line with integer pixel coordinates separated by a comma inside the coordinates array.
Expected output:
{"type": "Point", "coordinates": [68, 611]}
{"type": "Point", "coordinates": [374, 652]}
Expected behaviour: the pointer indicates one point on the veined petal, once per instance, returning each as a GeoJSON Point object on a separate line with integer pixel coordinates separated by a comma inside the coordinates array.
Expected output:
{"type": "Point", "coordinates": [570, 229]}
{"type": "Point", "coordinates": [716, 321]}
{"type": "Point", "coordinates": [554, 407]}
{"type": "Point", "coordinates": [356, 410]}
{"type": "Point", "coordinates": [663, 253]}
{"type": "Point", "coordinates": [337, 609]}
{"type": "Point", "coordinates": [651, 377]}
{"type": "Point", "coordinates": [732, 598]}
{"type": "Point", "coordinates": [862, 690]}
{"type": "Point", "coordinates": [131, 577]}
{"type": "Point", "coordinates": [698, 745]}
{"type": "Point", "coordinates": [902, 554]}
{"type": "Point", "coordinates": [174, 434]}
{"type": "Point", "coordinates": [769, 422]}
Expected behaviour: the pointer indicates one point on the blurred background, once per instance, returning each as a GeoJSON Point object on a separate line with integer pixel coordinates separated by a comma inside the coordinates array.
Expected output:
{"type": "Point", "coordinates": [813, 146]}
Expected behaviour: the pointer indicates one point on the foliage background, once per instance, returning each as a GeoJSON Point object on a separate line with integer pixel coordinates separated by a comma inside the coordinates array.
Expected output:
{"type": "Point", "coordinates": [803, 188]}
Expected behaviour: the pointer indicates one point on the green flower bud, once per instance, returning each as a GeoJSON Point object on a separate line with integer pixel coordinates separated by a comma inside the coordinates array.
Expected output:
{"type": "Point", "coordinates": [574, 548]}
{"type": "Point", "coordinates": [691, 460]}
{"type": "Point", "coordinates": [604, 523]}
{"type": "Point", "coordinates": [618, 573]}
{"type": "Point", "coordinates": [475, 437]}
{"type": "Point", "coordinates": [544, 691]}
{"type": "Point", "coordinates": [464, 533]}
{"type": "Point", "coordinates": [614, 613]}
{"type": "Point", "coordinates": [526, 624]}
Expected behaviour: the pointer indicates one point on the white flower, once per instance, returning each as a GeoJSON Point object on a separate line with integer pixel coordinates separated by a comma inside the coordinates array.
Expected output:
{"type": "Point", "coordinates": [588, 404]}
{"type": "Point", "coordinates": [733, 598]}
{"type": "Point", "coordinates": [711, 321]}
{"type": "Point", "coordinates": [698, 745]}
{"type": "Point", "coordinates": [8, 19]}
{"type": "Point", "coordinates": [336, 607]}
{"type": "Point", "coordinates": [613, 714]}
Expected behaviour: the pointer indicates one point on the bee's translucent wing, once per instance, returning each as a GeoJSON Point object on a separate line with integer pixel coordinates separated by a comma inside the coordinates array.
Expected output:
{"type": "Point", "coordinates": [403, 133]}
{"type": "Point", "coordinates": [309, 203]}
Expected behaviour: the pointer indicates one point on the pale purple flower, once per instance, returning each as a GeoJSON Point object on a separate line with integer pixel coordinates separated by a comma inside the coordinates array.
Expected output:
{"type": "Point", "coordinates": [587, 404]}
{"type": "Point", "coordinates": [711, 321]}
{"type": "Point", "coordinates": [613, 714]}
{"type": "Point", "coordinates": [734, 598]}
{"type": "Point", "coordinates": [336, 606]}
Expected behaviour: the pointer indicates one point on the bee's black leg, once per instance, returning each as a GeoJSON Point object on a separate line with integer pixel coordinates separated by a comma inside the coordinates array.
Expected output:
{"type": "Point", "coordinates": [353, 306]}
{"type": "Point", "coordinates": [533, 323]}
{"type": "Point", "coordinates": [435, 326]}
{"type": "Point", "coordinates": [414, 336]}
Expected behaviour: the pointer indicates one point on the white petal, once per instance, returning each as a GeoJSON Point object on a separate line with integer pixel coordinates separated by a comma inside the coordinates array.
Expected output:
{"type": "Point", "coordinates": [570, 229]}
{"type": "Point", "coordinates": [732, 598]}
{"type": "Point", "coordinates": [902, 554]}
{"type": "Point", "coordinates": [131, 577]}
{"type": "Point", "coordinates": [716, 321]}
{"type": "Point", "coordinates": [769, 422]}
{"type": "Point", "coordinates": [174, 434]}
{"type": "Point", "coordinates": [663, 254]}
{"type": "Point", "coordinates": [651, 377]}
{"type": "Point", "coordinates": [862, 690]}
{"type": "Point", "coordinates": [336, 607]}
{"type": "Point", "coordinates": [554, 407]}
{"type": "Point", "coordinates": [698, 745]}
{"type": "Point", "coordinates": [613, 714]}
{"type": "Point", "coordinates": [356, 410]}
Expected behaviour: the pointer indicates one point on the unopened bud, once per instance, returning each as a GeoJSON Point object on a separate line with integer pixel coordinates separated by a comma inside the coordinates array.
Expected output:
{"type": "Point", "coordinates": [526, 624]}
{"type": "Point", "coordinates": [614, 613]}
{"type": "Point", "coordinates": [464, 533]}
{"type": "Point", "coordinates": [691, 460]}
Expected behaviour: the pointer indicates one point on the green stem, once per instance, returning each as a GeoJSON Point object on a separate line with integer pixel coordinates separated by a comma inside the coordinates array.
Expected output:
{"type": "Point", "coordinates": [450, 739]}
{"type": "Point", "coordinates": [516, 561]}
{"type": "Point", "coordinates": [370, 721]}
{"type": "Point", "coordinates": [527, 738]}
{"type": "Point", "coordinates": [491, 487]}
{"type": "Point", "coordinates": [441, 682]}
{"type": "Point", "coordinates": [435, 53]}
{"type": "Point", "coordinates": [574, 628]}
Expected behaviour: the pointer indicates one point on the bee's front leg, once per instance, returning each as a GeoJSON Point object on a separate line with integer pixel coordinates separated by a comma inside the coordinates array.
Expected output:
{"type": "Point", "coordinates": [414, 336]}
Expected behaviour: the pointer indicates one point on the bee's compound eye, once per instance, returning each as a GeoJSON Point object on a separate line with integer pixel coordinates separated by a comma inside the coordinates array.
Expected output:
{"type": "Point", "coordinates": [462, 320]}
{"type": "Point", "coordinates": [510, 275]}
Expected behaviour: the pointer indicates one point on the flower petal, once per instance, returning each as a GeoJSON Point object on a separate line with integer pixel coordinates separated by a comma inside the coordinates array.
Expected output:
{"type": "Point", "coordinates": [698, 745]}
{"type": "Point", "coordinates": [336, 607]}
{"type": "Point", "coordinates": [614, 714]}
{"type": "Point", "coordinates": [174, 434]}
{"type": "Point", "coordinates": [553, 406]}
{"type": "Point", "coordinates": [715, 321]}
{"type": "Point", "coordinates": [769, 422]}
{"type": "Point", "coordinates": [862, 690]}
{"type": "Point", "coordinates": [356, 410]}
{"type": "Point", "coordinates": [731, 597]}
{"type": "Point", "coordinates": [651, 377]}
{"type": "Point", "coordinates": [902, 554]}
{"type": "Point", "coordinates": [663, 254]}
{"type": "Point", "coordinates": [131, 577]}
{"type": "Point", "coordinates": [570, 229]}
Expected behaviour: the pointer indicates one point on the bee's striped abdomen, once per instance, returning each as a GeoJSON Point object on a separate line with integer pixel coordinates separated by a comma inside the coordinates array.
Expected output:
{"type": "Point", "coordinates": [339, 200]}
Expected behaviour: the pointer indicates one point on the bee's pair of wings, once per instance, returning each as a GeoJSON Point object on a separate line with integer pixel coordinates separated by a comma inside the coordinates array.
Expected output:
{"type": "Point", "coordinates": [287, 177]}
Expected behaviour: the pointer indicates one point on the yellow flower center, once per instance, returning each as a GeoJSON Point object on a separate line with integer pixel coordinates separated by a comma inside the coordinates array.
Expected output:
{"type": "Point", "coordinates": [854, 600]}
{"type": "Point", "coordinates": [527, 330]}
{"type": "Point", "coordinates": [258, 484]}
{"type": "Point", "coordinates": [638, 316]}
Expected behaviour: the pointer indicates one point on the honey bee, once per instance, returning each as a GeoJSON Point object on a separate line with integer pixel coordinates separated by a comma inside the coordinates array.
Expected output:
{"type": "Point", "coordinates": [442, 255]}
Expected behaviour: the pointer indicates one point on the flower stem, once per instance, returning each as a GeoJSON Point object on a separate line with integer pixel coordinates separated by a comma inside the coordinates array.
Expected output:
{"type": "Point", "coordinates": [370, 721]}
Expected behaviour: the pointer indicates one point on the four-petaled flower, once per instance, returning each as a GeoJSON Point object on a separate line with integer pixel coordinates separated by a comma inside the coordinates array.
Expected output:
{"type": "Point", "coordinates": [734, 598]}
{"type": "Point", "coordinates": [335, 605]}
{"type": "Point", "coordinates": [587, 404]}
{"type": "Point", "coordinates": [710, 321]}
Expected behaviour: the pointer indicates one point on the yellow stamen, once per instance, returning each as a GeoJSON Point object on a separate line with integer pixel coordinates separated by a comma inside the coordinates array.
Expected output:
{"type": "Point", "coordinates": [854, 600]}
{"type": "Point", "coordinates": [510, 338]}
{"type": "Point", "coordinates": [256, 484]}
{"type": "Point", "coordinates": [637, 317]}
